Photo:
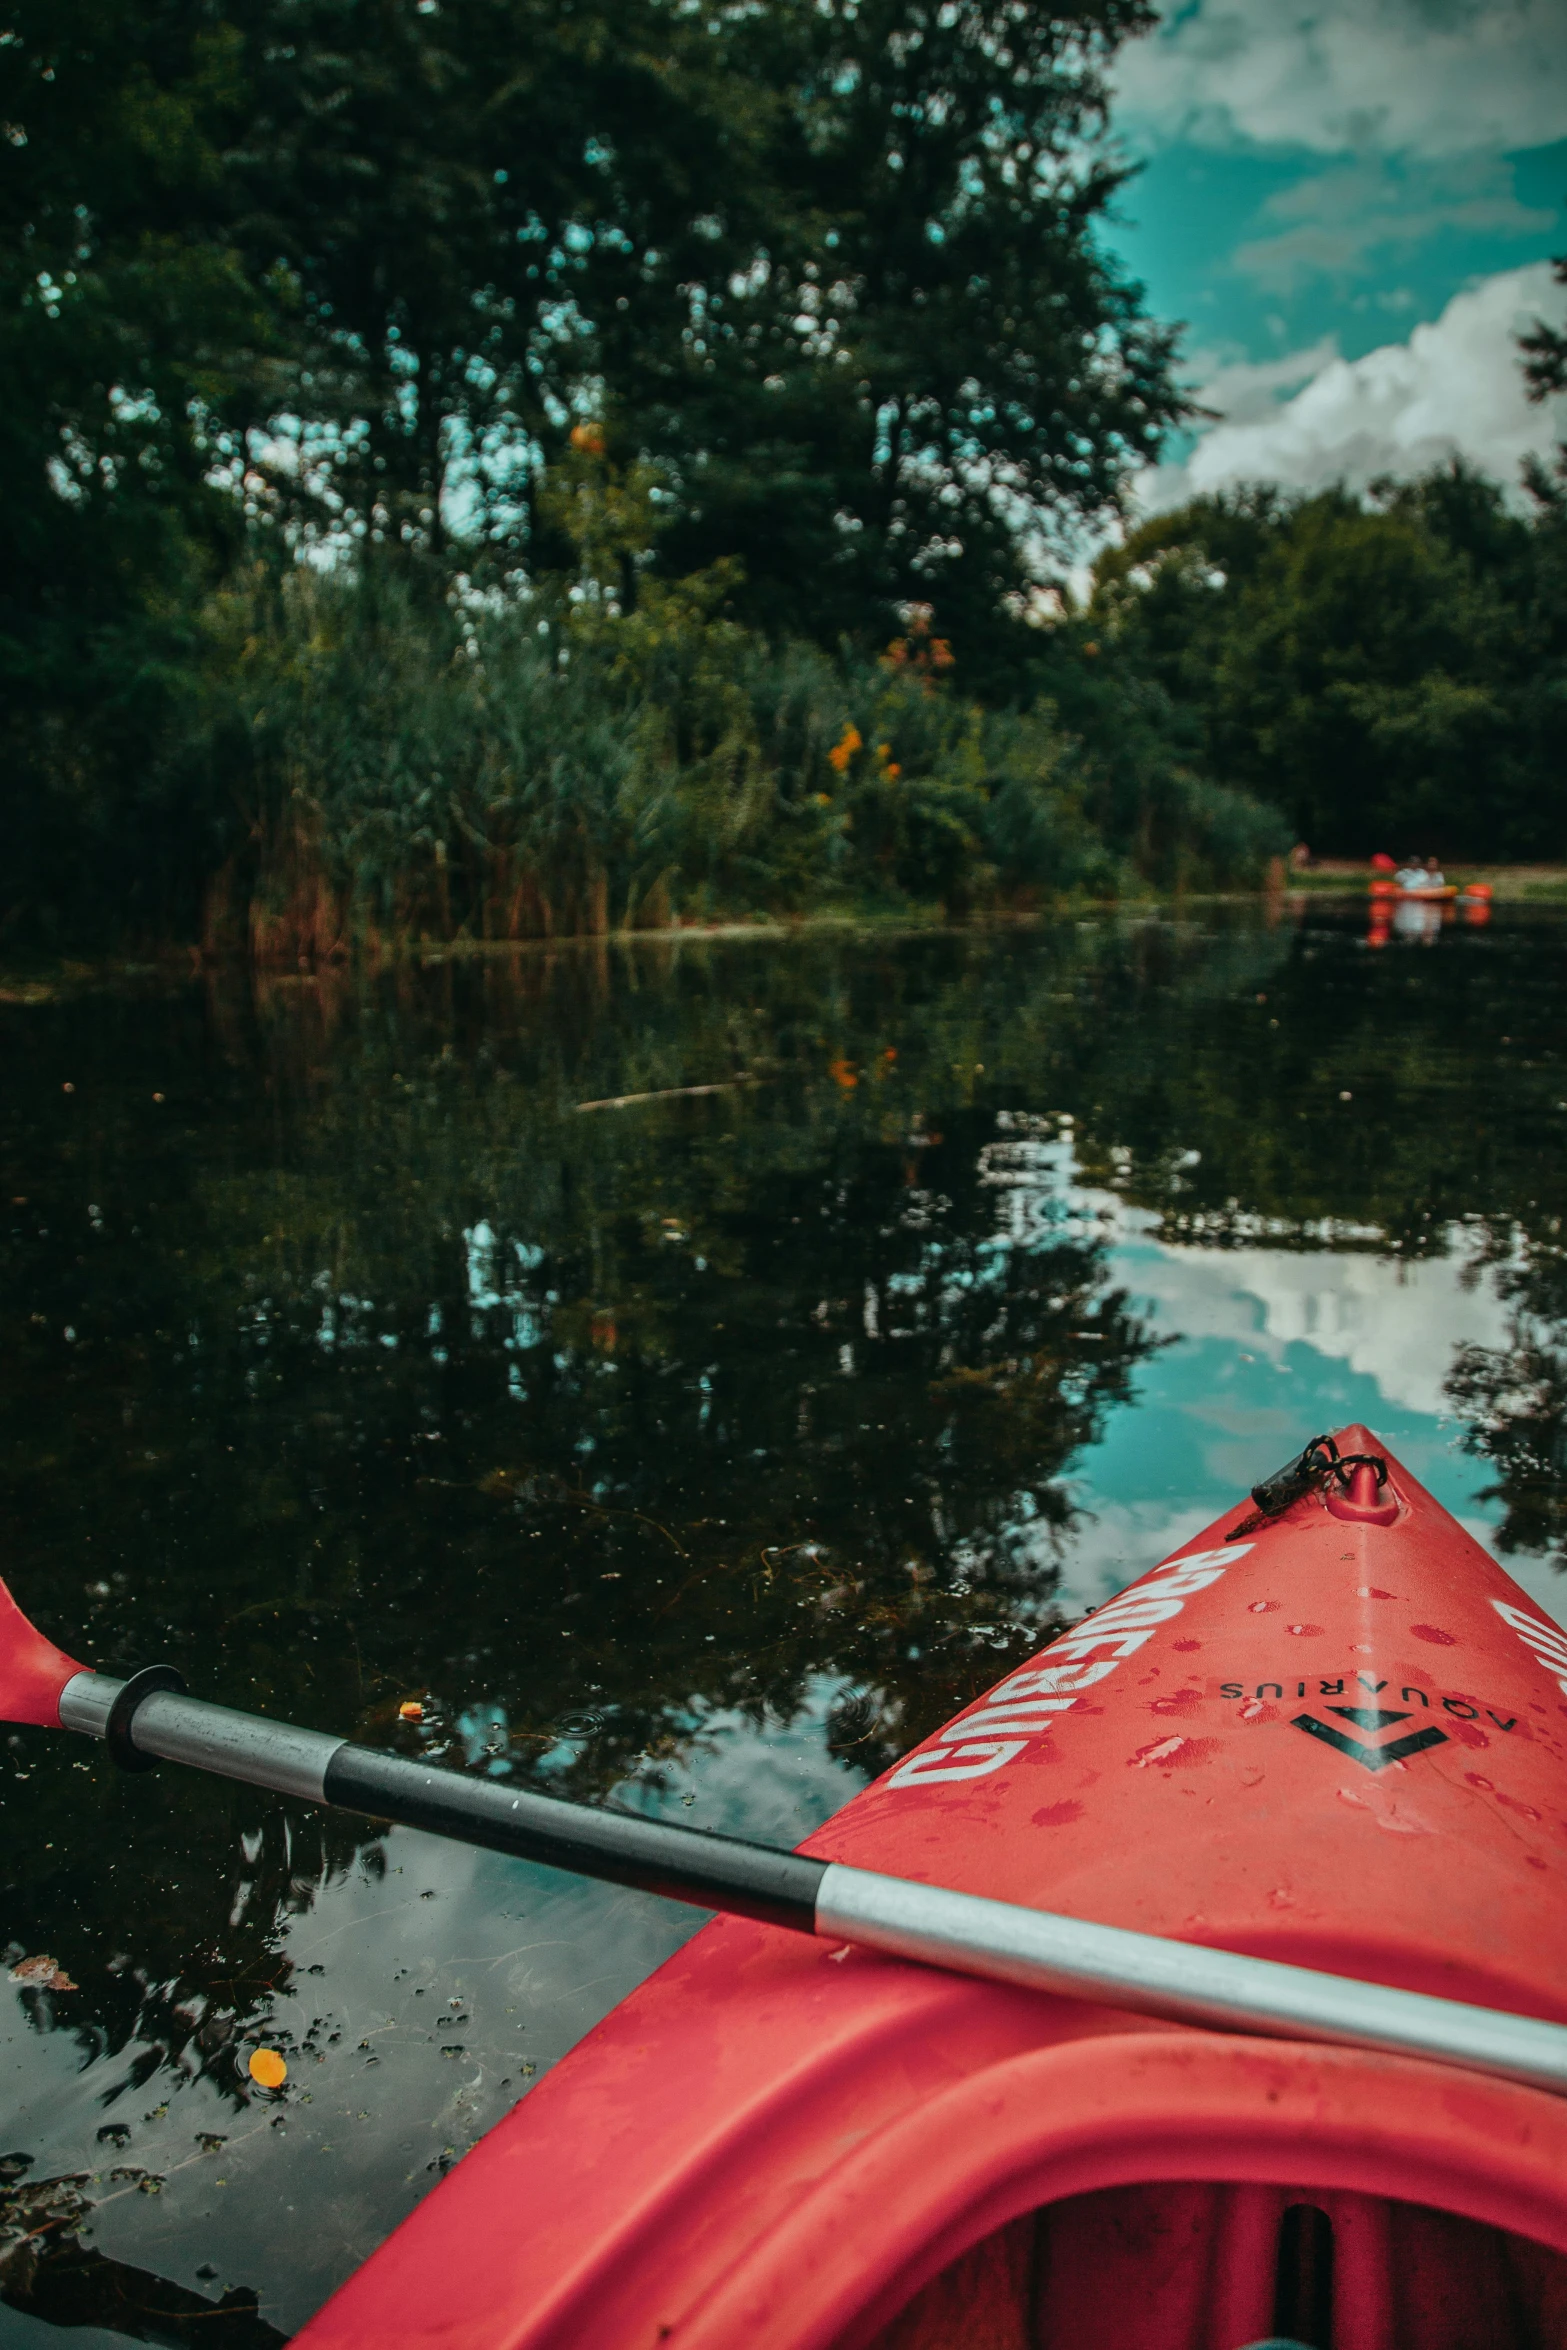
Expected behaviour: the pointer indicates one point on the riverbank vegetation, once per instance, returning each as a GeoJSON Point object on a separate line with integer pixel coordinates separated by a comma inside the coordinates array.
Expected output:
{"type": "Point", "coordinates": [517, 471]}
{"type": "Point", "coordinates": [1389, 671]}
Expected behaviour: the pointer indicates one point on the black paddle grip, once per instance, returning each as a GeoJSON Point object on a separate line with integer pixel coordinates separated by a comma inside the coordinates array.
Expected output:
{"type": "Point", "coordinates": [118, 1733]}
{"type": "Point", "coordinates": [684, 1864]}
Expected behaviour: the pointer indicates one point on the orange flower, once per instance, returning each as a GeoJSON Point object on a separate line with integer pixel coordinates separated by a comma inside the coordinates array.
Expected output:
{"type": "Point", "coordinates": [844, 749]}
{"type": "Point", "coordinates": [589, 438]}
{"type": "Point", "coordinates": [843, 1074]}
{"type": "Point", "coordinates": [927, 655]}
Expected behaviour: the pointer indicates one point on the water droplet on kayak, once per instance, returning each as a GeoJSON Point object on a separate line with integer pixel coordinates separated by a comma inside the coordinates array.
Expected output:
{"type": "Point", "coordinates": [1163, 1750]}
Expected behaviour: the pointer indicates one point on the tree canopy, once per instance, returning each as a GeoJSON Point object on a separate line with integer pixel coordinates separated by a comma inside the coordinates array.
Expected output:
{"type": "Point", "coordinates": [359, 282]}
{"type": "Point", "coordinates": [1391, 672]}
{"type": "Point", "coordinates": [792, 322]}
{"type": "Point", "coordinates": [832, 267]}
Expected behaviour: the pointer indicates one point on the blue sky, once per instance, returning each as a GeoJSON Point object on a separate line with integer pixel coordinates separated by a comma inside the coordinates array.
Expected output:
{"type": "Point", "coordinates": [1352, 205]}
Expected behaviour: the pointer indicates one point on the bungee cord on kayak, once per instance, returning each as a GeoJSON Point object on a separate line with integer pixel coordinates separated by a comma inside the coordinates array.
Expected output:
{"type": "Point", "coordinates": [1319, 1465]}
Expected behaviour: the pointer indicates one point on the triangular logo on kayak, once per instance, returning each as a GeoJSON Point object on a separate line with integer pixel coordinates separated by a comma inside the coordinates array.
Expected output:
{"type": "Point", "coordinates": [1368, 1717]}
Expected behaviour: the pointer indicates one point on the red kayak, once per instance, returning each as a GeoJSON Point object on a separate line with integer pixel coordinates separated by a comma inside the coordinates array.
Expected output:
{"type": "Point", "coordinates": [1332, 1736]}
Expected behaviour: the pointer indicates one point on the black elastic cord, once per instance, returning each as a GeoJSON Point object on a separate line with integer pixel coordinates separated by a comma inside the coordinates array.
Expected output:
{"type": "Point", "coordinates": [1358, 1460]}
{"type": "Point", "coordinates": [123, 1750]}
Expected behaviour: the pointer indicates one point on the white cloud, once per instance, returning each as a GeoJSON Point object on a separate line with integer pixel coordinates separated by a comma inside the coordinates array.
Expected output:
{"type": "Point", "coordinates": [1397, 1324]}
{"type": "Point", "coordinates": [1430, 77]}
{"type": "Point", "coordinates": [1453, 390]}
{"type": "Point", "coordinates": [1243, 391]}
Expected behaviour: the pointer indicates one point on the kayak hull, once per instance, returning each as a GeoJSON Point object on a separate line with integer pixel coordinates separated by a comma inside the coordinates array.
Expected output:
{"type": "Point", "coordinates": [1335, 1739]}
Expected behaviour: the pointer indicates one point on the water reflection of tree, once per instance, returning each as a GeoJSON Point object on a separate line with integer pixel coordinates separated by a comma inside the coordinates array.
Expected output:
{"type": "Point", "coordinates": [1514, 1398]}
{"type": "Point", "coordinates": [393, 1373]}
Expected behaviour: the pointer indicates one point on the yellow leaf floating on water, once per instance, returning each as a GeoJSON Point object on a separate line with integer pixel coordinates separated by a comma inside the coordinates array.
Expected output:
{"type": "Point", "coordinates": [267, 2068]}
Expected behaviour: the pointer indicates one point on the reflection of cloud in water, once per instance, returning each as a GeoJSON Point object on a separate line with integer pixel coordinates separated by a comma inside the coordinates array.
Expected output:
{"type": "Point", "coordinates": [774, 1782]}
{"type": "Point", "coordinates": [1396, 1323]}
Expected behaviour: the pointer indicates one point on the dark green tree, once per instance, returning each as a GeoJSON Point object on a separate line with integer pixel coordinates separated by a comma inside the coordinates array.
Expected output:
{"type": "Point", "coordinates": [348, 278]}
{"type": "Point", "coordinates": [932, 367]}
{"type": "Point", "coordinates": [1545, 349]}
{"type": "Point", "coordinates": [1384, 670]}
{"type": "Point", "coordinates": [463, 197]}
{"type": "Point", "coordinates": [833, 268]}
{"type": "Point", "coordinates": [130, 332]}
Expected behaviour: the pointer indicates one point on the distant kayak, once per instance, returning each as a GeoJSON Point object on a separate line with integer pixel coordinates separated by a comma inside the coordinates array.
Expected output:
{"type": "Point", "coordinates": [1330, 1731]}
{"type": "Point", "coordinates": [1393, 891]}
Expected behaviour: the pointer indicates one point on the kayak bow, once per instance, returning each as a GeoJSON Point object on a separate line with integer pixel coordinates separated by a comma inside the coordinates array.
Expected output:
{"type": "Point", "coordinates": [1327, 1734]}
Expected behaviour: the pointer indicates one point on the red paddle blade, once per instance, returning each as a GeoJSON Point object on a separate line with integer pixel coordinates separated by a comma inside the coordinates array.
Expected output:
{"type": "Point", "coordinates": [32, 1670]}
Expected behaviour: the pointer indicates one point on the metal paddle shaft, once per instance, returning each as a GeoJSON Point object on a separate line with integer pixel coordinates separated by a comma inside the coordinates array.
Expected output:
{"type": "Point", "coordinates": [145, 1718]}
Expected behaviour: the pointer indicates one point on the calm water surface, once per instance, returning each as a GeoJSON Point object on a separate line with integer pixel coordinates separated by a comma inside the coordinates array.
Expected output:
{"type": "Point", "coordinates": [364, 1343]}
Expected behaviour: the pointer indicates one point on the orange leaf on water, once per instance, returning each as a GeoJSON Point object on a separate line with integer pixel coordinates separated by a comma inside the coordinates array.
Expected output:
{"type": "Point", "coordinates": [42, 1974]}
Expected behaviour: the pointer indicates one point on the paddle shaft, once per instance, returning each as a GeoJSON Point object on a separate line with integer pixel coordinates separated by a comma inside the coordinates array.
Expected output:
{"type": "Point", "coordinates": [146, 1718]}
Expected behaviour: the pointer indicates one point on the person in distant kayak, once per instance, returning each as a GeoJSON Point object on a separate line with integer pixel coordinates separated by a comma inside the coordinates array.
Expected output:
{"type": "Point", "coordinates": [1433, 875]}
{"type": "Point", "coordinates": [1411, 874]}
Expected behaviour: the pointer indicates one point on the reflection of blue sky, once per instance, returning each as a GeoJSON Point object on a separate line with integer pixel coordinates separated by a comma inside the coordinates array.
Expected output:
{"type": "Point", "coordinates": [1319, 183]}
{"type": "Point", "coordinates": [1272, 1346]}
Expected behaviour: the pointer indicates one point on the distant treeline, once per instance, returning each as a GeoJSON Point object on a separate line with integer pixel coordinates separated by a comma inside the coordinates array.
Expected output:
{"type": "Point", "coordinates": [518, 468]}
{"type": "Point", "coordinates": [1391, 672]}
